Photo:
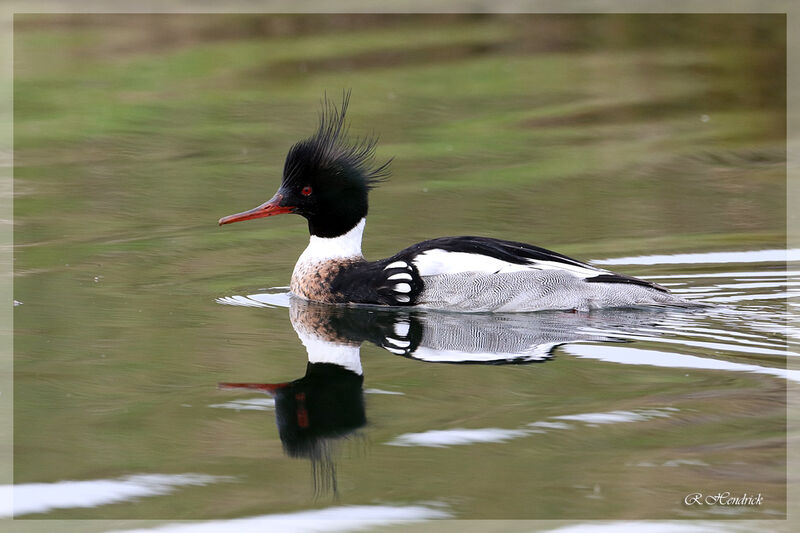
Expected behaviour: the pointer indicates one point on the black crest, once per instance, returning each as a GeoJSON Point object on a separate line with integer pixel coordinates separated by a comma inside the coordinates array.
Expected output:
{"type": "Point", "coordinates": [330, 149]}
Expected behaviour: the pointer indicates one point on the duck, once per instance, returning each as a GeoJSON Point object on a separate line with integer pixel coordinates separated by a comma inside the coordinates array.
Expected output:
{"type": "Point", "coordinates": [327, 179]}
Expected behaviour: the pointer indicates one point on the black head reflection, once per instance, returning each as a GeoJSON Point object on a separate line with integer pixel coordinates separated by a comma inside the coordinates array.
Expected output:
{"type": "Point", "coordinates": [327, 403]}
{"type": "Point", "coordinates": [313, 413]}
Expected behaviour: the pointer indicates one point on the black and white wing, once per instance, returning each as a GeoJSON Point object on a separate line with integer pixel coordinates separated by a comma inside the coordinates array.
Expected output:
{"type": "Point", "coordinates": [455, 255]}
{"type": "Point", "coordinates": [401, 279]}
{"type": "Point", "coordinates": [387, 282]}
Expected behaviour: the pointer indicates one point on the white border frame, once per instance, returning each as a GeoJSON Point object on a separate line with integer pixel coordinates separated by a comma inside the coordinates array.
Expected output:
{"type": "Point", "coordinates": [9, 7]}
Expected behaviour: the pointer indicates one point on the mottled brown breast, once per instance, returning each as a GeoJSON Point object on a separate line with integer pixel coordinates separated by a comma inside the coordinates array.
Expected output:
{"type": "Point", "coordinates": [312, 281]}
{"type": "Point", "coordinates": [316, 318]}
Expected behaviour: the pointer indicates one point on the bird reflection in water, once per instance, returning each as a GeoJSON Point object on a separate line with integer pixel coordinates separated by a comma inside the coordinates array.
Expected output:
{"type": "Point", "coordinates": [326, 405]}
{"type": "Point", "coordinates": [315, 411]}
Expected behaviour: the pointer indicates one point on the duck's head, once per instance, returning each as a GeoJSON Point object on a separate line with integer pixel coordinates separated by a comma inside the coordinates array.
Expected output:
{"type": "Point", "coordinates": [326, 178]}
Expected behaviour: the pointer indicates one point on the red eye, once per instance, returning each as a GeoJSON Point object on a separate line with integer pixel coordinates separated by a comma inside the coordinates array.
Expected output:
{"type": "Point", "coordinates": [306, 191]}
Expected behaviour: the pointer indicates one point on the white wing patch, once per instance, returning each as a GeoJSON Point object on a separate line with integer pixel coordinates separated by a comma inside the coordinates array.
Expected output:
{"type": "Point", "coordinates": [400, 282]}
{"type": "Point", "coordinates": [397, 345]}
{"type": "Point", "coordinates": [401, 328]}
{"type": "Point", "coordinates": [396, 264]}
{"type": "Point", "coordinates": [437, 262]}
{"type": "Point", "coordinates": [405, 288]}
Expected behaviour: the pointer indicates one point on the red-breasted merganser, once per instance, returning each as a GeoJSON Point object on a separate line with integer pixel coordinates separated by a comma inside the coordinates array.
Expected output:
{"type": "Point", "coordinates": [327, 178]}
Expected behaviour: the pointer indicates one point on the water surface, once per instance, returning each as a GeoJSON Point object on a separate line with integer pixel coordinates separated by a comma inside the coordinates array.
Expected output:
{"type": "Point", "coordinates": [654, 147]}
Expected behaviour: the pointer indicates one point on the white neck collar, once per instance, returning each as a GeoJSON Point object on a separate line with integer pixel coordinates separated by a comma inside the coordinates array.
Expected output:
{"type": "Point", "coordinates": [322, 351]}
{"type": "Point", "coordinates": [347, 246]}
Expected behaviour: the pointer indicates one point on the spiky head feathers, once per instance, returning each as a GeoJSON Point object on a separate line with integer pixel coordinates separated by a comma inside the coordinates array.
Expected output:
{"type": "Point", "coordinates": [328, 177]}
{"type": "Point", "coordinates": [330, 153]}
